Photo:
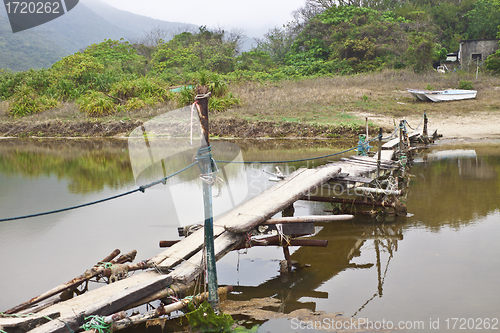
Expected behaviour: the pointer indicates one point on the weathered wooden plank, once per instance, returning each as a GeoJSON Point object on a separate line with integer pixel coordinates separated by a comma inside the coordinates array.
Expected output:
{"type": "Point", "coordinates": [368, 159]}
{"type": "Point", "coordinates": [309, 218]}
{"type": "Point", "coordinates": [190, 269]}
{"type": "Point", "coordinates": [368, 164]}
{"type": "Point", "coordinates": [352, 179]}
{"type": "Point", "coordinates": [387, 155]}
{"type": "Point", "coordinates": [183, 250]}
{"type": "Point", "coordinates": [391, 144]}
{"type": "Point", "coordinates": [26, 323]}
{"type": "Point", "coordinates": [103, 301]}
{"type": "Point", "coordinates": [276, 198]}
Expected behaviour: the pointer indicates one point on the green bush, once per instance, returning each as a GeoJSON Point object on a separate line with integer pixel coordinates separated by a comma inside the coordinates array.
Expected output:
{"type": "Point", "coordinates": [143, 88]}
{"type": "Point", "coordinates": [27, 101]}
{"type": "Point", "coordinates": [463, 84]}
{"type": "Point", "coordinates": [220, 104]}
{"type": "Point", "coordinates": [95, 103]}
{"type": "Point", "coordinates": [135, 103]}
{"type": "Point", "coordinates": [185, 96]}
{"type": "Point", "coordinates": [493, 62]}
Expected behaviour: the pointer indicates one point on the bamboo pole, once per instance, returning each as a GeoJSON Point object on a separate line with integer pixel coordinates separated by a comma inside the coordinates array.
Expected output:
{"type": "Point", "coordinates": [379, 156]}
{"type": "Point", "coordinates": [90, 273]}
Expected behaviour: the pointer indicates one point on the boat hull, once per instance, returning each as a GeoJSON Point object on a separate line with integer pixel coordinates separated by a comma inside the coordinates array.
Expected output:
{"type": "Point", "coordinates": [443, 95]}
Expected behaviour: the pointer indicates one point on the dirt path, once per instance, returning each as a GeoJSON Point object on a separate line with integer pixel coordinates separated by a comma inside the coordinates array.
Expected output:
{"type": "Point", "coordinates": [475, 125]}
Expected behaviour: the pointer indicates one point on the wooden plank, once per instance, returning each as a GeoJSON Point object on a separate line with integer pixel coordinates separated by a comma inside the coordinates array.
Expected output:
{"type": "Point", "coordinates": [350, 179]}
{"type": "Point", "coordinates": [391, 144]}
{"type": "Point", "coordinates": [370, 164]}
{"type": "Point", "coordinates": [373, 160]}
{"type": "Point", "coordinates": [309, 218]}
{"type": "Point", "coordinates": [103, 301]}
{"type": "Point", "coordinates": [276, 198]}
{"type": "Point", "coordinates": [24, 324]}
{"type": "Point", "coordinates": [190, 269]}
{"type": "Point", "coordinates": [183, 250]}
{"type": "Point", "coordinates": [387, 155]}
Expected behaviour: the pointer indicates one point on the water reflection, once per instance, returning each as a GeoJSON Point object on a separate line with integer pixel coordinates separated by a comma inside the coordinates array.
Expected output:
{"type": "Point", "coordinates": [345, 243]}
{"type": "Point", "coordinates": [88, 165]}
{"type": "Point", "coordinates": [454, 187]}
{"type": "Point", "coordinates": [368, 269]}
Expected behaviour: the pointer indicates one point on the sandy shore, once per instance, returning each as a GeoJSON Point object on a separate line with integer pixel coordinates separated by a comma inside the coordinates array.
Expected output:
{"type": "Point", "coordinates": [475, 126]}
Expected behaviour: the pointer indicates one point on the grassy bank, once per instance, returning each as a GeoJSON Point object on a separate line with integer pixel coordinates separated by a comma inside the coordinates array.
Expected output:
{"type": "Point", "coordinates": [328, 107]}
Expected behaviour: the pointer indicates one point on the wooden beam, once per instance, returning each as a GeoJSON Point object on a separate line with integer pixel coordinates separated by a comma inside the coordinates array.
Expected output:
{"type": "Point", "coordinates": [309, 218]}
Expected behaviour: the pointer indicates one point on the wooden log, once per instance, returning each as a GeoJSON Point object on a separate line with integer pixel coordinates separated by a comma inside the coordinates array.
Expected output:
{"type": "Point", "coordinates": [164, 310]}
{"type": "Point", "coordinates": [128, 268]}
{"type": "Point", "coordinates": [380, 191]}
{"type": "Point", "coordinates": [111, 256]}
{"type": "Point", "coordinates": [347, 201]}
{"type": "Point", "coordinates": [94, 271]}
{"type": "Point", "coordinates": [181, 251]}
{"type": "Point", "coordinates": [276, 241]}
{"type": "Point", "coordinates": [177, 289]}
{"type": "Point", "coordinates": [351, 179]}
{"type": "Point", "coordinates": [129, 257]}
{"type": "Point", "coordinates": [309, 218]}
{"type": "Point", "coordinates": [191, 268]}
{"type": "Point", "coordinates": [168, 243]}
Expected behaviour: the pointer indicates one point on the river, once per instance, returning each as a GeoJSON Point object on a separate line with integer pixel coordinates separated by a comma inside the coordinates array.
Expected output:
{"type": "Point", "coordinates": [440, 263]}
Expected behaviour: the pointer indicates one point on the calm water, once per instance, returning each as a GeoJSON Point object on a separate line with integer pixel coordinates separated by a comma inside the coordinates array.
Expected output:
{"type": "Point", "coordinates": [439, 264]}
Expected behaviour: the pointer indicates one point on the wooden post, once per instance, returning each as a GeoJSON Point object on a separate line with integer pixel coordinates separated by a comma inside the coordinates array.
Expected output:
{"type": "Point", "coordinates": [425, 125]}
{"type": "Point", "coordinates": [379, 151]}
{"type": "Point", "coordinates": [366, 118]}
{"type": "Point", "coordinates": [287, 212]}
{"type": "Point", "coordinates": [205, 158]}
{"type": "Point", "coordinates": [400, 138]}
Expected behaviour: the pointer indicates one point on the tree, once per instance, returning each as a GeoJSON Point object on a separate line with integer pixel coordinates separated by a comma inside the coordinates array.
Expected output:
{"type": "Point", "coordinates": [483, 19]}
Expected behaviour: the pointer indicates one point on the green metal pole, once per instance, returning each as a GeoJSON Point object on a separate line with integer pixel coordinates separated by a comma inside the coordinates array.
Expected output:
{"type": "Point", "coordinates": [205, 157]}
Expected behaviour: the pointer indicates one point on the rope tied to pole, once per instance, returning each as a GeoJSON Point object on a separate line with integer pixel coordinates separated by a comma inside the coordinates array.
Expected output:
{"type": "Point", "coordinates": [204, 155]}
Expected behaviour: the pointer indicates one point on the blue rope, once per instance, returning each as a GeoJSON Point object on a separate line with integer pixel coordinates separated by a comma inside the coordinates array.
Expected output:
{"type": "Point", "coordinates": [421, 121]}
{"type": "Point", "coordinates": [305, 159]}
{"type": "Point", "coordinates": [140, 188]}
{"type": "Point", "coordinates": [289, 161]}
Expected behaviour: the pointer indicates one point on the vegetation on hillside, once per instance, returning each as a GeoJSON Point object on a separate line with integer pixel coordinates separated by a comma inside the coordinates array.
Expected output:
{"type": "Point", "coordinates": [327, 38]}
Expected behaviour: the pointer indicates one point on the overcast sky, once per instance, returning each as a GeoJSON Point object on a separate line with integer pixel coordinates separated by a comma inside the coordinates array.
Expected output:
{"type": "Point", "coordinates": [254, 17]}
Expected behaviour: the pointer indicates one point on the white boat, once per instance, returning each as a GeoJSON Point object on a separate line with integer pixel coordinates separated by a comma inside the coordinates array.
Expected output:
{"type": "Point", "coordinates": [442, 95]}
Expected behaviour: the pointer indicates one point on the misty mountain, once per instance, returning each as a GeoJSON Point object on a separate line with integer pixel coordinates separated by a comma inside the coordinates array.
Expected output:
{"type": "Point", "coordinates": [91, 21]}
{"type": "Point", "coordinates": [137, 24]}
{"type": "Point", "coordinates": [26, 49]}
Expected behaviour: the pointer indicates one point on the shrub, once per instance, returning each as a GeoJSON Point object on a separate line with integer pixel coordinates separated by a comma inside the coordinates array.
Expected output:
{"type": "Point", "coordinates": [185, 96]}
{"type": "Point", "coordinates": [143, 88]}
{"type": "Point", "coordinates": [95, 103]}
{"type": "Point", "coordinates": [220, 104]}
{"type": "Point", "coordinates": [463, 84]}
{"type": "Point", "coordinates": [27, 101]}
{"type": "Point", "coordinates": [135, 103]}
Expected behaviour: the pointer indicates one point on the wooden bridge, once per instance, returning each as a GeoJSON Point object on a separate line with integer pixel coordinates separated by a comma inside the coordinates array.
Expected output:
{"type": "Point", "coordinates": [173, 271]}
